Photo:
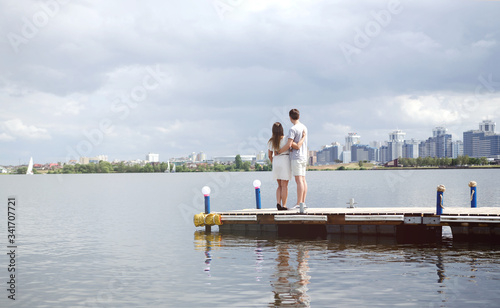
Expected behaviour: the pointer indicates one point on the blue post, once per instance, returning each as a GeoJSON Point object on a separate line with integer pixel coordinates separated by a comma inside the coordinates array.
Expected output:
{"type": "Point", "coordinates": [257, 198]}
{"type": "Point", "coordinates": [206, 193]}
{"type": "Point", "coordinates": [257, 184]}
{"type": "Point", "coordinates": [439, 201]}
{"type": "Point", "coordinates": [473, 194]}
{"type": "Point", "coordinates": [207, 211]}
{"type": "Point", "coordinates": [207, 204]}
{"type": "Point", "coordinates": [439, 209]}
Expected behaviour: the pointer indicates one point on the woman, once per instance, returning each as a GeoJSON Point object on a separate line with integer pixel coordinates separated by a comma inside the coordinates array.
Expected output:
{"type": "Point", "coordinates": [281, 163]}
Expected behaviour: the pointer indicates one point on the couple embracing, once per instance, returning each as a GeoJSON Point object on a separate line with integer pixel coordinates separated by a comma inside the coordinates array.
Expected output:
{"type": "Point", "coordinates": [289, 158]}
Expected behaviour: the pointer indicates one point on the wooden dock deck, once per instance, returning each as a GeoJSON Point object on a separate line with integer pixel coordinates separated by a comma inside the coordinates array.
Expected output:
{"type": "Point", "coordinates": [408, 224]}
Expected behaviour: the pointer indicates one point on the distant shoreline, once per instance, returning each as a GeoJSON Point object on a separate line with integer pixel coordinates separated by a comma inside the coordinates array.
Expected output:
{"type": "Point", "coordinates": [310, 168]}
{"type": "Point", "coordinates": [369, 166]}
{"type": "Point", "coordinates": [402, 168]}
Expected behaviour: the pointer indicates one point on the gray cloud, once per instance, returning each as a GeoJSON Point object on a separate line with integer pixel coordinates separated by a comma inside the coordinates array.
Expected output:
{"type": "Point", "coordinates": [412, 65]}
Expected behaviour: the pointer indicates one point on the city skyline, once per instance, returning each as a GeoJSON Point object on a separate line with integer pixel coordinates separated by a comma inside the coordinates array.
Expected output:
{"type": "Point", "coordinates": [122, 79]}
{"type": "Point", "coordinates": [351, 139]}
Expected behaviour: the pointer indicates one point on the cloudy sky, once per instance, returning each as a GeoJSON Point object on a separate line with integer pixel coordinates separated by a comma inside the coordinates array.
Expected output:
{"type": "Point", "coordinates": [125, 78]}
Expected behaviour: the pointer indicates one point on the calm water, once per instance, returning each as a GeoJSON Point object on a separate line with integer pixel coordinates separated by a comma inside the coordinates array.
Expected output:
{"type": "Point", "coordinates": [127, 240]}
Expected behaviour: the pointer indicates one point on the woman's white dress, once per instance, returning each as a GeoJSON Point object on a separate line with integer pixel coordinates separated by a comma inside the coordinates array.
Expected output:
{"type": "Point", "coordinates": [281, 162]}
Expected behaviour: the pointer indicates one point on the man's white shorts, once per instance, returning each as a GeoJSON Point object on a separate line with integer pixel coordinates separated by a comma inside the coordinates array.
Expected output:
{"type": "Point", "coordinates": [299, 167]}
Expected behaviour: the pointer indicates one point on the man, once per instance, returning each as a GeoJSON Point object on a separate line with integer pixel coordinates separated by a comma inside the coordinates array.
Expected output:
{"type": "Point", "coordinates": [298, 154]}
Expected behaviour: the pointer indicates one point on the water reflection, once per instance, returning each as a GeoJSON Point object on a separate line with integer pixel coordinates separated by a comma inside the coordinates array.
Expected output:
{"type": "Point", "coordinates": [205, 241]}
{"type": "Point", "coordinates": [291, 278]}
{"type": "Point", "coordinates": [440, 268]}
{"type": "Point", "coordinates": [282, 266]}
{"type": "Point", "coordinates": [259, 256]}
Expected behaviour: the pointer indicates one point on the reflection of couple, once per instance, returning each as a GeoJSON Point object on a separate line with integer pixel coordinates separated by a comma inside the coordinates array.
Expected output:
{"type": "Point", "coordinates": [289, 158]}
{"type": "Point", "coordinates": [290, 283]}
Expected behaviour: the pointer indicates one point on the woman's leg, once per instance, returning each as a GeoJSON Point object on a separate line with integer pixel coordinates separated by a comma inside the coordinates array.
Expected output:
{"type": "Point", "coordinates": [284, 192]}
{"type": "Point", "coordinates": [278, 192]}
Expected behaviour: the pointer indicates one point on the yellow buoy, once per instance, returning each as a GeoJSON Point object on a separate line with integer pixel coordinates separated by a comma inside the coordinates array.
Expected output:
{"type": "Point", "coordinates": [217, 220]}
{"type": "Point", "coordinates": [213, 219]}
{"type": "Point", "coordinates": [199, 219]}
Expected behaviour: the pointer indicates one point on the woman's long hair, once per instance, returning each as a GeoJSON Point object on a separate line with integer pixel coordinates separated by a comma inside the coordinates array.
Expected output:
{"type": "Point", "coordinates": [277, 135]}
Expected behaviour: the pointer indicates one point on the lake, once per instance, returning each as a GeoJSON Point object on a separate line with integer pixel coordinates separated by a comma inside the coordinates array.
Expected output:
{"type": "Point", "coordinates": [128, 240]}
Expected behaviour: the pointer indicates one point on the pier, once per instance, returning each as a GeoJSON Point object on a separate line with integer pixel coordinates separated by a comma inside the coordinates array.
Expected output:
{"type": "Point", "coordinates": [408, 225]}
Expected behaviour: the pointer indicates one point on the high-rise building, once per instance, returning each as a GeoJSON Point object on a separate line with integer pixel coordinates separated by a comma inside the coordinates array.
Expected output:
{"type": "Point", "coordinates": [323, 155]}
{"type": "Point", "coordinates": [350, 139]}
{"type": "Point", "coordinates": [345, 157]}
{"type": "Point", "coordinates": [363, 153]}
{"type": "Point", "coordinates": [439, 145]}
{"type": "Point", "coordinates": [439, 131]}
{"type": "Point", "coordinates": [201, 157]}
{"type": "Point", "coordinates": [410, 148]}
{"type": "Point", "coordinates": [328, 154]}
{"type": "Point", "coordinates": [487, 126]}
{"type": "Point", "coordinates": [395, 144]}
{"type": "Point", "coordinates": [457, 148]}
{"type": "Point", "coordinates": [373, 154]}
{"type": "Point", "coordinates": [483, 142]}
{"type": "Point", "coordinates": [443, 142]}
{"type": "Point", "coordinates": [397, 135]}
{"type": "Point", "coordinates": [153, 158]}
{"type": "Point", "coordinates": [384, 154]}
{"type": "Point", "coordinates": [312, 158]}
{"type": "Point", "coordinates": [359, 152]}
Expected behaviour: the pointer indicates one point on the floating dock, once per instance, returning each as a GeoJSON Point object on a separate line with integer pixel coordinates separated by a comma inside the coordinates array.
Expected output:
{"type": "Point", "coordinates": [408, 225]}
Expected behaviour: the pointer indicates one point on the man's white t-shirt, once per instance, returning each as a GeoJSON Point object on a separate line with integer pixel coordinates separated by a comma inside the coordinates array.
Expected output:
{"type": "Point", "coordinates": [295, 133]}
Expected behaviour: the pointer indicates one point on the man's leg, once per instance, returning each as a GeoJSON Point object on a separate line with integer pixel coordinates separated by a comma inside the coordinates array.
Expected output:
{"type": "Point", "coordinates": [300, 188]}
{"type": "Point", "coordinates": [304, 184]}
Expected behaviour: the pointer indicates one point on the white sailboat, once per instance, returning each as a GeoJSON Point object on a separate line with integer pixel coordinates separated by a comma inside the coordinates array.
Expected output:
{"type": "Point", "coordinates": [168, 167]}
{"type": "Point", "coordinates": [173, 168]}
{"type": "Point", "coordinates": [30, 167]}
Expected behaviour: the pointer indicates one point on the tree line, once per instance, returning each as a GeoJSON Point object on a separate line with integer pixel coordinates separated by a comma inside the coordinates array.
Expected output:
{"type": "Point", "coordinates": [443, 161]}
{"type": "Point", "coordinates": [106, 167]}
{"type": "Point", "coordinates": [239, 165]}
